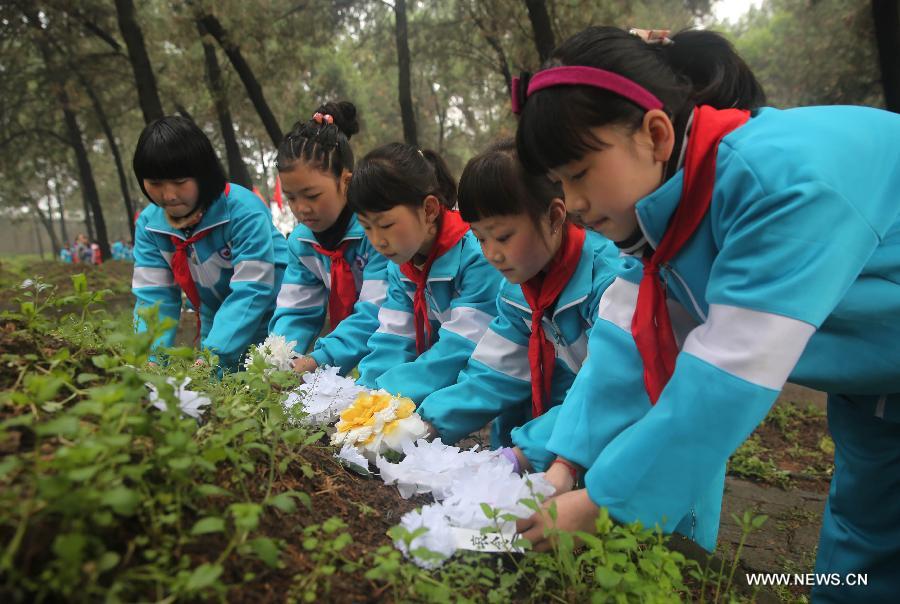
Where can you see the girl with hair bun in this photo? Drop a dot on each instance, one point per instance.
(332, 268)
(441, 290)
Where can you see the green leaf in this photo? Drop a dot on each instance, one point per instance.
(210, 524)
(84, 378)
(108, 561)
(204, 576)
(70, 547)
(267, 550)
(61, 426)
(79, 283)
(211, 490)
(282, 501)
(122, 500)
(246, 515)
(607, 578)
(180, 463)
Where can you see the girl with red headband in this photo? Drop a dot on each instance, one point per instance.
(441, 291)
(332, 267)
(554, 274)
(777, 232)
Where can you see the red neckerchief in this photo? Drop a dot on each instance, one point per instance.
(182, 271)
(451, 228)
(541, 291)
(343, 286)
(650, 326)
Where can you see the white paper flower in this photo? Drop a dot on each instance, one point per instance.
(27, 283)
(438, 539)
(376, 422)
(323, 395)
(190, 402)
(495, 484)
(430, 467)
(277, 351)
(350, 456)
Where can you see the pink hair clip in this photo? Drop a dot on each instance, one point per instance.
(317, 117)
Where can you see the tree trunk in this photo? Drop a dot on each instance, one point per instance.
(254, 89)
(237, 170)
(544, 40)
(114, 147)
(148, 95)
(489, 33)
(407, 113)
(886, 14)
(37, 235)
(88, 186)
(47, 221)
(62, 211)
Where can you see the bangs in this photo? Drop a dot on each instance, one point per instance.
(490, 185)
(167, 151)
(554, 127)
(375, 188)
(175, 147)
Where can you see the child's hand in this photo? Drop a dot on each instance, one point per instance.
(305, 364)
(574, 512)
(560, 477)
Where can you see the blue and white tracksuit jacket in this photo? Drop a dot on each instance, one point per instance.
(462, 300)
(496, 383)
(237, 267)
(793, 273)
(303, 299)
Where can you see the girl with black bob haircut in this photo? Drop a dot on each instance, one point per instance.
(441, 291)
(554, 276)
(315, 164)
(206, 237)
(770, 244)
(175, 148)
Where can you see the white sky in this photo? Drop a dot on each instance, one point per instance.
(732, 10)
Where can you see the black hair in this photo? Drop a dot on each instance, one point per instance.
(494, 183)
(174, 147)
(400, 174)
(321, 145)
(698, 68)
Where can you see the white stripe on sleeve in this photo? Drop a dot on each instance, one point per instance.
(374, 291)
(145, 276)
(503, 356)
(396, 322)
(761, 348)
(258, 271)
(468, 322)
(293, 295)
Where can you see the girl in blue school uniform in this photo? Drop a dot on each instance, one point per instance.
(332, 267)
(441, 291)
(205, 237)
(779, 232)
(554, 274)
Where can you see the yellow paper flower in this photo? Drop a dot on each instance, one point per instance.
(377, 421)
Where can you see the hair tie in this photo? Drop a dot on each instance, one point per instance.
(652, 36)
(317, 117)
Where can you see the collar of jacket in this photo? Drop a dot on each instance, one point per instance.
(354, 231)
(656, 209)
(446, 267)
(217, 214)
(575, 292)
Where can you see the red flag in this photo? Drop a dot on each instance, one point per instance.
(278, 199)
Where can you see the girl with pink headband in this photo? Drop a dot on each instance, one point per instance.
(770, 244)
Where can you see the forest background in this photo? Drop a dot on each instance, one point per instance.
(79, 80)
